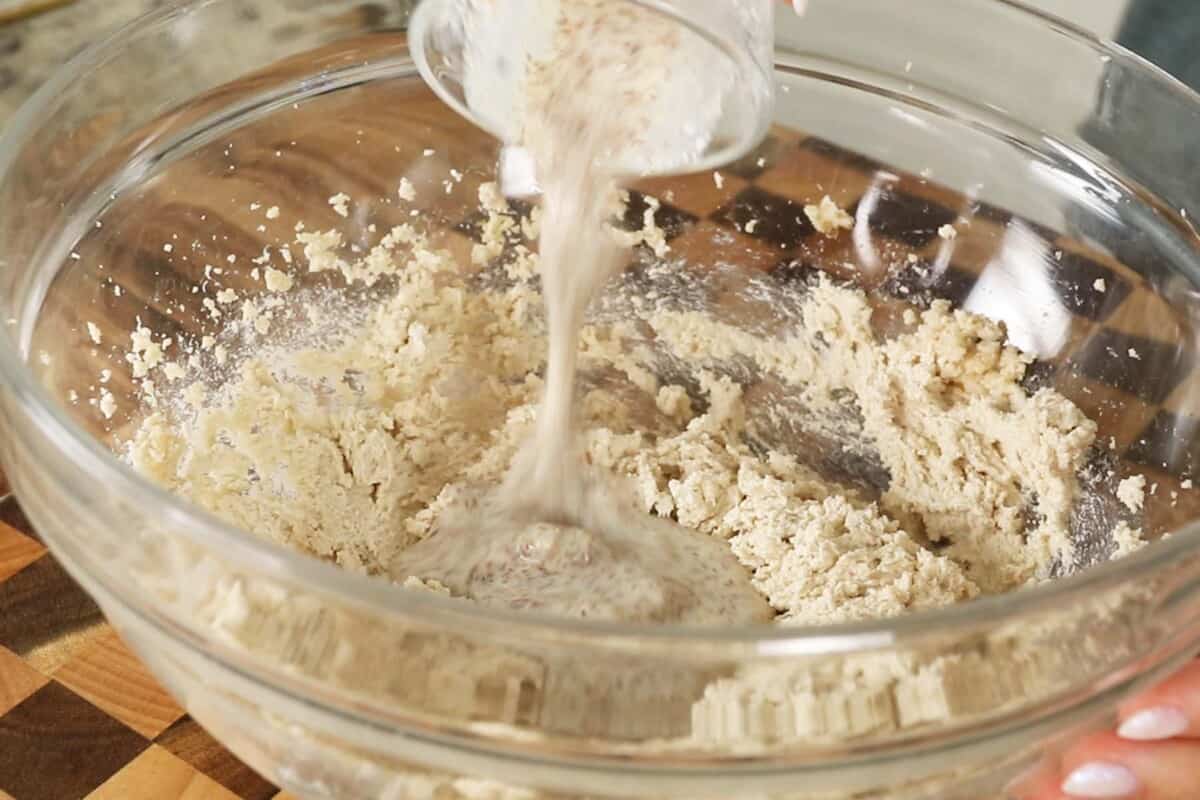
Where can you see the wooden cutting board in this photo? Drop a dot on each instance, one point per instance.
(79, 715)
(15, 9)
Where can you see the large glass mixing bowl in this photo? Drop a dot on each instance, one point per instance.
(1062, 163)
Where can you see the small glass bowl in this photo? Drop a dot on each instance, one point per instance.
(731, 71)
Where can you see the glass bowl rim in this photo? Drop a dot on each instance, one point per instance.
(55, 429)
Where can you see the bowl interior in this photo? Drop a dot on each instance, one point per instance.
(1087, 272)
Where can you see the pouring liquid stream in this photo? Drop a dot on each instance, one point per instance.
(556, 536)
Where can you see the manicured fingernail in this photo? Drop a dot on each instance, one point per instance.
(1154, 724)
(1101, 780)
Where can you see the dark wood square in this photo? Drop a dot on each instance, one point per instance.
(924, 282)
(11, 514)
(1074, 276)
(41, 604)
(712, 244)
(907, 218)
(1155, 371)
(991, 213)
(794, 271)
(1170, 442)
(1119, 417)
(671, 220)
(775, 219)
(57, 746)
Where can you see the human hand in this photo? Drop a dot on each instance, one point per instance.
(1153, 755)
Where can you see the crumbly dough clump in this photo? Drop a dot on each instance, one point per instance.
(1132, 492)
(828, 217)
(353, 448)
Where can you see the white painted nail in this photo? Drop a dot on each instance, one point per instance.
(1154, 724)
(1101, 780)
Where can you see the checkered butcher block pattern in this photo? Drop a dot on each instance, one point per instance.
(79, 715)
